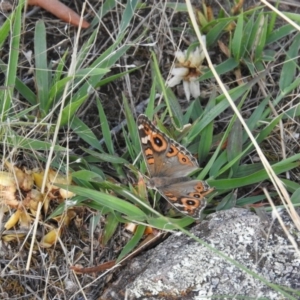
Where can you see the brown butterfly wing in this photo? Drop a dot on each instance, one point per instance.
(164, 157)
(187, 196)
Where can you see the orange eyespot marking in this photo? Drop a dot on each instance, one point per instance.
(196, 195)
(190, 203)
(199, 187)
(158, 142)
(183, 159)
(172, 151)
(171, 197)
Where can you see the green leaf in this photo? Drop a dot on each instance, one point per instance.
(105, 129)
(280, 33)
(20, 142)
(227, 202)
(295, 199)
(56, 91)
(60, 68)
(105, 60)
(165, 223)
(216, 31)
(250, 200)
(206, 135)
(111, 202)
(91, 72)
(115, 77)
(70, 110)
(6, 95)
(106, 157)
(105, 7)
(128, 14)
(291, 186)
(290, 65)
(85, 175)
(110, 227)
(255, 33)
(171, 101)
(133, 242)
(256, 177)
(261, 38)
(5, 28)
(256, 116)
(235, 144)
(42, 73)
(85, 133)
(26, 92)
(236, 45)
(228, 65)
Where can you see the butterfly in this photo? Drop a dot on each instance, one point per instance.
(168, 165)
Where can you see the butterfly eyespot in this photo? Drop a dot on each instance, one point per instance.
(199, 187)
(172, 151)
(195, 195)
(158, 143)
(184, 159)
(190, 204)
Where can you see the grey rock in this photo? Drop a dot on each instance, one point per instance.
(182, 268)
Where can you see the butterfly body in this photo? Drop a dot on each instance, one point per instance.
(168, 165)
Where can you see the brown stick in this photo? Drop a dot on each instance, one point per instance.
(61, 11)
(105, 266)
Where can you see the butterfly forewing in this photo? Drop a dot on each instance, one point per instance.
(169, 162)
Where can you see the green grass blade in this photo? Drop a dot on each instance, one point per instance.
(57, 90)
(290, 65)
(106, 7)
(261, 39)
(5, 29)
(42, 73)
(128, 15)
(216, 31)
(246, 36)
(139, 232)
(105, 129)
(280, 33)
(70, 110)
(26, 92)
(60, 68)
(206, 135)
(131, 125)
(111, 202)
(22, 88)
(235, 144)
(171, 101)
(11, 72)
(151, 104)
(236, 44)
(14, 140)
(228, 184)
(106, 157)
(228, 65)
(90, 176)
(110, 227)
(85, 133)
